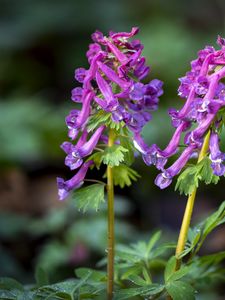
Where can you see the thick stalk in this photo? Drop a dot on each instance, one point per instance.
(110, 249)
(189, 208)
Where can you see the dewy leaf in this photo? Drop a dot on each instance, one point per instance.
(180, 273)
(123, 175)
(89, 197)
(147, 291)
(113, 155)
(180, 290)
(190, 177)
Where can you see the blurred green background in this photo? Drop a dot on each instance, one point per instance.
(41, 43)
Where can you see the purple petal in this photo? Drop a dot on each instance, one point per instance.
(76, 94)
(80, 74)
(64, 187)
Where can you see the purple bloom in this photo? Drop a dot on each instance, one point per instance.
(113, 82)
(65, 187)
(75, 154)
(137, 91)
(204, 95)
(80, 74)
(216, 156)
(109, 102)
(76, 94)
(164, 179)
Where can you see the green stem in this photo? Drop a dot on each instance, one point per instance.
(189, 208)
(110, 191)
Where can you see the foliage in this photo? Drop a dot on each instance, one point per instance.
(143, 270)
(89, 197)
(189, 179)
(123, 175)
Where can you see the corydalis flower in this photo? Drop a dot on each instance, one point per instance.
(110, 86)
(216, 156)
(64, 187)
(112, 82)
(204, 93)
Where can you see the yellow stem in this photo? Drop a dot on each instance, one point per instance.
(189, 208)
(111, 238)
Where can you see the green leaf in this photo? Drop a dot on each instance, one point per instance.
(97, 158)
(98, 118)
(62, 290)
(123, 175)
(89, 197)
(41, 276)
(217, 218)
(170, 268)
(10, 289)
(180, 273)
(147, 291)
(113, 155)
(197, 236)
(127, 142)
(189, 179)
(10, 284)
(93, 274)
(180, 290)
(153, 240)
(131, 272)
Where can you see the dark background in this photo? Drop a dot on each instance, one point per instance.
(41, 43)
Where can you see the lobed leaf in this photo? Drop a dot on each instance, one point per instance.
(189, 179)
(89, 197)
(114, 155)
(123, 175)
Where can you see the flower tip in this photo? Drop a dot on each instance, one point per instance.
(162, 181)
(62, 192)
(220, 41)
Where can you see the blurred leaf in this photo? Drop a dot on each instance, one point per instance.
(180, 290)
(12, 224)
(150, 290)
(170, 268)
(41, 276)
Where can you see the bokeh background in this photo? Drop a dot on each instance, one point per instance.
(41, 43)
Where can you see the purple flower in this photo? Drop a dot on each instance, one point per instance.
(65, 187)
(216, 156)
(204, 93)
(76, 94)
(164, 179)
(137, 91)
(80, 74)
(109, 102)
(113, 82)
(75, 154)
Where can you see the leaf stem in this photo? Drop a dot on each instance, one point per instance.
(95, 180)
(110, 252)
(189, 208)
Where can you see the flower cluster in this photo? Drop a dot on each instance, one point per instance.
(112, 85)
(205, 96)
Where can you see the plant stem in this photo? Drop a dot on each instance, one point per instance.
(189, 208)
(110, 252)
